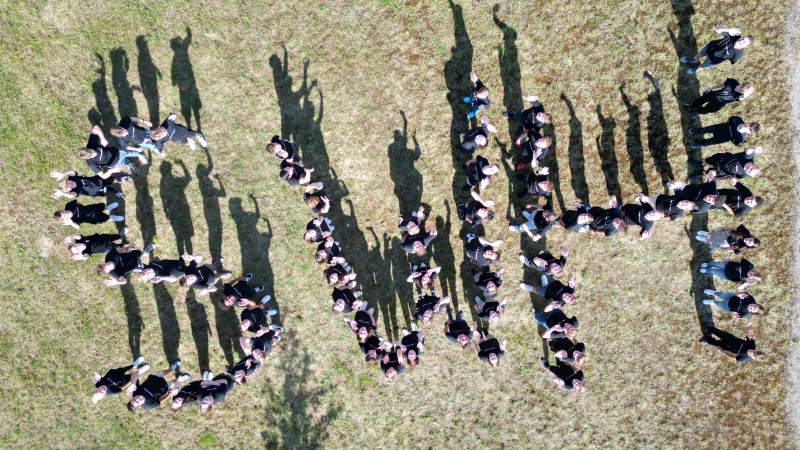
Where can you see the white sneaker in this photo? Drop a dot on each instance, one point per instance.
(414, 327)
(143, 368)
(274, 327)
(371, 310)
(708, 301)
(122, 233)
(191, 144)
(138, 361)
(183, 377)
(265, 299)
(526, 287)
(272, 312)
(525, 261)
(110, 207)
(544, 280)
(709, 292)
(201, 140)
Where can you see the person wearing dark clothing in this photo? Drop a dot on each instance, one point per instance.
(318, 229)
(717, 96)
(254, 317)
(260, 345)
(735, 240)
(417, 243)
(127, 133)
(282, 149)
(740, 350)
(729, 48)
(459, 330)
(169, 270)
(534, 150)
(703, 195)
(671, 206)
(739, 165)
(607, 222)
(490, 310)
(536, 183)
(558, 293)
(75, 214)
(187, 396)
(214, 391)
(642, 215)
(72, 186)
(427, 306)
(488, 281)
(363, 323)
(180, 134)
(244, 368)
(239, 293)
(577, 220)
(118, 380)
(424, 276)
(156, 390)
(738, 201)
(565, 376)
(202, 278)
(316, 199)
(538, 224)
(412, 344)
(476, 137)
(736, 270)
(741, 305)
(479, 172)
(393, 363)
(373, 349)
(122, 261)
(297, 175)
(480, 250)
(567, 350)
(491, 350)
(556, 324)
(345, 300)
(479, 98)
(734, 130)
(532, 119)
(328, 252)
(86, 246)
(105, 160)
(546, 263)
(477, 210)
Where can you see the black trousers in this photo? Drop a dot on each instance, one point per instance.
(705, 104)
(720, 134)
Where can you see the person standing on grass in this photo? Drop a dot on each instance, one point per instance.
(202, 278)
(477, 210)
(163, 270)
(412, 344)
(340, 275)
(703, 195)
(567, 350)
(282, 149)
(607, 222)
(74, 214)
(86, 246)
(122, 261)
(297, 175)
(180, 134)
(187, 396)
(736, 270)
(363, 323)
(318, 229)
(735, 130)
(565, 375)
(105, 160)
(374, 349)
(480, 250)
(424, 276)
(316, 199)
(741, 305)
(118, 380)
(643, 215)
(459, 330)
(213, 391)
(488, 281)
(476, 137)
(532, 119)
(546, 263)
(260, 345)
(534, 150)
(345, 300)
(417, 243)
(670, 206)
(539, 223)
(413, 224)
(555, 323)
(713, 100)
(393, 363)
(328, 252)
(239, 293)
(537, 183)
(729, 48)
(427, 306)
(72, 186)
(577, 220)
(490, 310)
(127, 133)
(156, 390)
(479, 172)
(558, 293)
(739, 165)
(246, 367)
(730, 346)
(479, 99)
(736, 240)
(254, 316)
(490, 349)
(739, 201)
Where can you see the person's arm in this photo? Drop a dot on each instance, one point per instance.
(413, 277)
(71, 238)
(555, 328)
(131, 383)
(726, 353)
(571, 281)
(730, 30)
(503, 346)
(115, 281)
(753, 150)
(142, 121)
(104, 174)
(485, 241)
(484, 183)
(60, 175)
(487, 127)
(57, 193)
(728, 209)
(352, 324)
(471, 161)
(716, 86)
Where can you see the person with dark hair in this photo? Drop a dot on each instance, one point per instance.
(736, 240)
(546, 263)
(479, 98)
(340, 275)
(202, 278)
(480, 250)
(393, 362)
(534, 150)
(316, 199)
(555, 323)
(254, 316)
(730, 346)
(105, 160)
(577, 220)
(328, 252)
(412, 344)
(260, 345)
(282, 149)
(491, 350)
(318, 229)
(538, 223)
(537, 183)
(729, 48)
(123, 379)
(412, 225)
(239, 293)
(86, 246)
(476, 137)
(156, 390)
(180, 134)
(734, 130)
(424, 276)
(72, 186)
(427, 306)
(488, 281)
(558, 293)
(127, 133)
(736, 270)
(374, 348)
(566, 350)
(163, 270)
(607, 222)
(719, 95)
(671, 206)
(297, 175)
(122, 261)
(642, 215)
(532, 119)
(739, 165)
(477, 210)
(739, 201)
(703, 195)
(247, 366)
(490, 310)
(345, 300)
(479, 172)
(75, 214)
(187, 396)
(214, 391)
(417, 243)
(565, 375)
(459, 330)
(363, 323)
(741, 305)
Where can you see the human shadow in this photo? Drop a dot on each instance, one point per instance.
(148, 79)
(633, 142)
(176, 205)
(606, 148)
(201, 329)
(657, 132)
(577, 163)
(395, 261)
(687, 86)
(301, 411)
(407, 180)
(297, 109)
(444, 257)
(182, 75)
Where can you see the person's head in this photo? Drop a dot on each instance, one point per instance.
(491, 255)
(751, 170)
(227, 302)
(481, 141)
(412, 228)
(118, 131)
(362, 334)
(427, 316)
(753, 275)
(620, 224)
(494, 317)
(426, 281)
(746, 89)
(754, 201)
(579, 356)
(86, 153)
(547, 185)
(578, 386)
(176, 404)
(66, 185)
(146, 275)
(491, 288)
(484, 213)
(412, 357)
(687, 205)
(158, 133)
(570, 331)
(331, 276)
(321, 257)
(240, 377)
(755, 308)
(135, 403)
(310, 236)
(391, 372)
(105, 268)
(756, 355)
(549, 216)
(463, 339)
(585, 219)
(277, 149)
(568, 298)
(483, 92)
(743, 42)
(490, 169)
(372, 356)
(752, 127)
(63, 216)
(338, 306)
(245, 325)
(654, 215)
(99, 393)
(188, 280)
(419, 248)
(77, 249)
(544, 142)
(752, 242)
(494, 360)
(206, 404)
(259, 355)
(312, 201)
(543, 117)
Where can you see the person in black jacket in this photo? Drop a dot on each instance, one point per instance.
(490, 310)
(282, 149)
(558, 293)
(538, 224)
(490, 349)
(565, 375)
(532, 119)
(85, 246)
(156, 390)
(105, 160)
(214, 391)
(734, 130)
(72, 186)
(643, 215)
(704, 195)
(162, 270)
(729, 48)
(180, 134)
(187, 396)
(537, 183)
(723, 165)
(412, 344)
(297, 175)
(202, 278)
(577, 220)
(671, 206)
(488, 281)
(713, 100)
(74, 214)
(480, 250)
(555, 323)
(428, 305)
(122, 261)
(393, 362)
(239, 293)
(546, 263)
(345, 300)
(567, 350)
(479, 98)
(459, 330)
(115, 381)
(534, 150)
(739, 201)
(316, 199)
(736, 270)
(127, 133)
(730, 346)
(318, 229)
(424, 276)
(479, 172)
(477, 210)
(363, 323)
(741, 305)
(476, 137)
(607, 222)
(246, 367)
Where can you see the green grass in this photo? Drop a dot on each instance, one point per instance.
(351, 68)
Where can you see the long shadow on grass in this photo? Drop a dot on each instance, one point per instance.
(577, 163)
(182, 75)
(688, 87)
(657, 133)
(148, 78)
(633, 142)
(606, 148)
(103, 115)
(301, 411)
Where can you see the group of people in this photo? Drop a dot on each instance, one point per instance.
(122, 261)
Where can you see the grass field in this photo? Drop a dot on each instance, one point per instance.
(371, 92)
